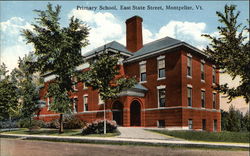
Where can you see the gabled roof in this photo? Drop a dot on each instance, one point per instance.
(149, 49)
(156, 45)
(160, 46)
(111, 45)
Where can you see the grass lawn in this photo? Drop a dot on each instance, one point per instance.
(54, 132)
(236, 137)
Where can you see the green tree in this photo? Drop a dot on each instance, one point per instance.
(27, 84)
(8, 95)
(230, 52)
(104, 76)
(57, 51)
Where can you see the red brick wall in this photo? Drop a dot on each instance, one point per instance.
(176, 94)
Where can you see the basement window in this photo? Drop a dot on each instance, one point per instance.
(190, 124)
(161, 123)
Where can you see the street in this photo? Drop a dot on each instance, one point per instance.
(17, 147)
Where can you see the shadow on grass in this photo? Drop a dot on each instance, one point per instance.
(55, 132)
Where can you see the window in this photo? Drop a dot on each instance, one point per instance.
(189, 66)
(202, 71)
(214, 100)
(161, 96)
(190, 124)
(74, 82)
(215, 125)
(203, 101)
(189, 96)
(84, 86)
(214, 75)
(161, 68)
(203, 124)
(143, 76)
(48, 102)
(161, 123)
(75, 106)
(100, 101)
(85, 103)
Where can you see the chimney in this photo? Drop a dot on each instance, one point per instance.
(134, 33)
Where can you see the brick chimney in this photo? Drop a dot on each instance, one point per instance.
(134, 33)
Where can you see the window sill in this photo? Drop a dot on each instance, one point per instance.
(162, 78)
(161, 107)
(143, 81)
(190, 77)
(203, 81)
(100, 103)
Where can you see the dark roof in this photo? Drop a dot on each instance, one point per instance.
(112, 45)
(156, 45)
(147, 49)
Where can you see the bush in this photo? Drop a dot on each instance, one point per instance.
(72, 122)
(7, 124)
(97, 127)
(25, 123)
(69, 122)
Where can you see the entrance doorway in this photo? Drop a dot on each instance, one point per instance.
(117, 111)
(135, 114)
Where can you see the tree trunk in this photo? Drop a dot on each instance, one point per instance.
(30, 124)
(61, 123)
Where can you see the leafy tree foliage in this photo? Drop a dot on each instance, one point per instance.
(234, 120)
(57, 51)
(8, 95)
(230, 51)
(27, 84)
(104, 76)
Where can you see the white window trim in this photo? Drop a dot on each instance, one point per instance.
(189, 55)
(74, 103)
(214, 93)
(100, 102)
(143, 63)
(191, 67)
(189, 86)
(203, 61)
(48, 103)
(85, 95)
(158, 100)
(159, 59)
(84, 86)
(190, 124)
(203, 90)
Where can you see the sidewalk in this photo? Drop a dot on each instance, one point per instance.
(117, 140)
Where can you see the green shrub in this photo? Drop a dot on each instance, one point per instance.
(72, 122)
(69, 122)
(25, 123)
(97, 127)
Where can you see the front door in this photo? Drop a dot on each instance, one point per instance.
(135, 114)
